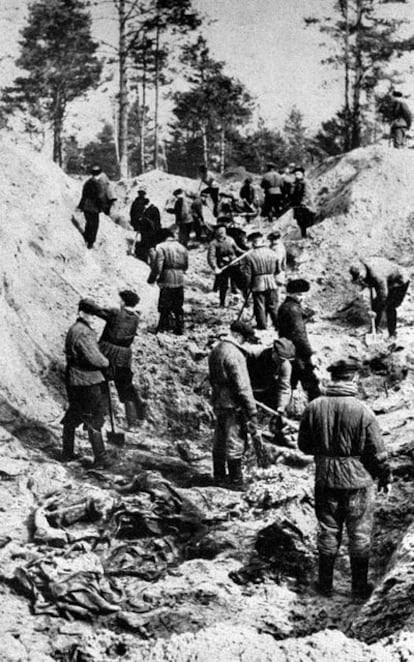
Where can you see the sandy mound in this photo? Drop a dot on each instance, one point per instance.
(45, 268)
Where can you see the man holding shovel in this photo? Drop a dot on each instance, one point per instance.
(84, 379)
(221, 253)
(388, 284)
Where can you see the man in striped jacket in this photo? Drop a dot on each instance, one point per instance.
(168, 269)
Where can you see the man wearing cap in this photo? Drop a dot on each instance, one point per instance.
(115, 343)
(84, 379)
(221, 251)
(288, 185)
(233, 403)
(343, 435)
(401, 119)
(292, 325)
(168, 269)
(272, 186)
(389, 282)
(278, 247)
(260, 267)
(92, 202)
(145, 219)
(302, 201)
(212, 187)
(183, 216)
(270, 370)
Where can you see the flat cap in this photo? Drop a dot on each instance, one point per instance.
(397, 94)
(274, 235)
(178, 191)
(245, 329)
(96, 170)
(129, 297)
(285, 348)
(270, 165)
(254, 235)
(355, 271)
(347, 366)
(87, 306)
(297, 286)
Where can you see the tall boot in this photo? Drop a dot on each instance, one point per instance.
(235, 474)
(98, 447)
(326, 568)
(219, 470)
(164, 322)
(361, 589)
(68, 442)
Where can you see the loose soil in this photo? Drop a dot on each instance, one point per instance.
(177, 569)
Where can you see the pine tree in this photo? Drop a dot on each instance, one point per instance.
(58, 55)
(366, 39)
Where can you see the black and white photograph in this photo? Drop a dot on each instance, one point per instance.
(206, 354)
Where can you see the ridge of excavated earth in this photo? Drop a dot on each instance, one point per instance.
(218, 575)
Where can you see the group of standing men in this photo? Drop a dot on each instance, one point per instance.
(336, 428)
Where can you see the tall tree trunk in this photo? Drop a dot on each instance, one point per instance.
(58, 129)
(123, 93)
(205, 143)
(143, 115)
(358, 77)
(157, 87)
(347, 110)
(222, 148)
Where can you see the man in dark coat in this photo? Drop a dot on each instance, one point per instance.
(221, 251)
(96, 198)
(302, 201)
(183, 216)
(390, 284)
(260, 267)
(84, 379)
(168, 269)
(271, 184)
(292, 325)
(401, 119)
(233, 404)
(344, 436)
(146, 220)
(115, 343)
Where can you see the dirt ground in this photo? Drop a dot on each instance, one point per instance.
(148, 561)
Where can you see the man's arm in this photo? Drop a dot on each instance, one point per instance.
(283, 387)
(212, 256)
(157, 266)
(238, 251)
(299, 334)
(375, 456)
(90, 351)
(241, 383)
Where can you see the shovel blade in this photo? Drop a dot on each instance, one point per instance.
(116, 438)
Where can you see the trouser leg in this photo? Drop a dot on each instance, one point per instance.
(330, 514)
(391, 313)
(272, 305)
(308, 379)
(164, 308)
(359, 521)
(223, 287)
(178, 311)
(91, 228)
(259, 307)
(98, 446)
(68, 441)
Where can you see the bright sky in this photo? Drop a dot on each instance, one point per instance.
(263, 42)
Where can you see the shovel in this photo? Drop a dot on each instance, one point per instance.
(371, 338)
(113, 437)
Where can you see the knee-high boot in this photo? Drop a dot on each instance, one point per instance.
(98, 447)
(361, 589)
(326, 568)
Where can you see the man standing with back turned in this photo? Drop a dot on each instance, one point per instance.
(84, 378)
(344, 436)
